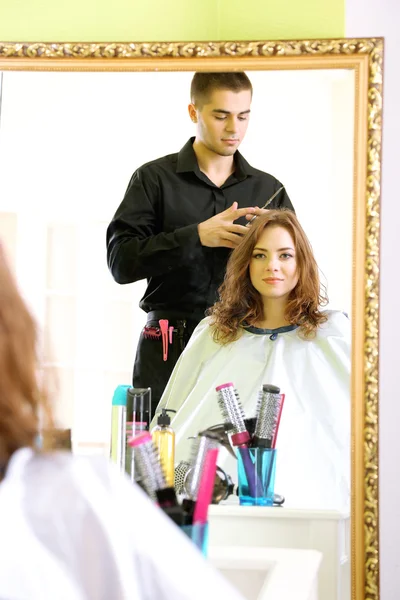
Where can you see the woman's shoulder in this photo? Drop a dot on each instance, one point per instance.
(337, 324)
(62, 468)
(204, 324)
(203, 332)
(56, 481)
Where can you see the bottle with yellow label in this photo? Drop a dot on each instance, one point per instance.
(164, 439)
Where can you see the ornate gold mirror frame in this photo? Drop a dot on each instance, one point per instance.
(365, 57)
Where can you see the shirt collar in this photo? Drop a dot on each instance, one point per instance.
(272, 332)
(187, 162)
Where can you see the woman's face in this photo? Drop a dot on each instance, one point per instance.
(273, 265)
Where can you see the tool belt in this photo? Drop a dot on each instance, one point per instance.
(164, 325)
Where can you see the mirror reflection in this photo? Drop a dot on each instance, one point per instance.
(181, 216)
(268, 328)
(74, 145)
(77, 138)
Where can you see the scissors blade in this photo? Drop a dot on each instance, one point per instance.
(273, 196)
(267, 203)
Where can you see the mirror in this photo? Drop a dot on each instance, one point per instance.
(72, 139)
(303, 134)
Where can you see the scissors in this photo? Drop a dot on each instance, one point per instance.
(267, 203)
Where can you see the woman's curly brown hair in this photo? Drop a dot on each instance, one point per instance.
(23, 402)
(240, 304)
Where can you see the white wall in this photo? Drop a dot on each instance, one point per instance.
(366, 18)
(301, 131)
(72, 141)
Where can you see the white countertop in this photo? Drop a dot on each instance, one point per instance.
(232, 508)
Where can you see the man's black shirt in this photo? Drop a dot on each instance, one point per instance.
(153, 235)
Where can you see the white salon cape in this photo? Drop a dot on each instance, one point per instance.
(313, 444)
(75, 529)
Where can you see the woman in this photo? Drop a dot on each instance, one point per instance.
(268, 327)
(68, 530)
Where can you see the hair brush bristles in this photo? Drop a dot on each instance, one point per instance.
(231, 407)
(147, 464)
(181, 470)
(269, 403)
(232, 411)
(200, 448)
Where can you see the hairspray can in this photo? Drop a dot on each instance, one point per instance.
(118, 426)
(130, 415)
(138, 411)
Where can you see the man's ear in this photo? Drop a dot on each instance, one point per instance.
(192, 113)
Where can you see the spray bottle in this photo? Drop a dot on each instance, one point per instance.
(164, 439)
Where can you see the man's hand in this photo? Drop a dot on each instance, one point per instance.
(256, 213)
(220, 231)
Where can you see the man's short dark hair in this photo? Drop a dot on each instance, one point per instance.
(203, 84)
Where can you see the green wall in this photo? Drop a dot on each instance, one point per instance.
(169, 20)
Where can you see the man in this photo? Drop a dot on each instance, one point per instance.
(178, 221)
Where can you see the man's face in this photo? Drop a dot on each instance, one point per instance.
(222, 120)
